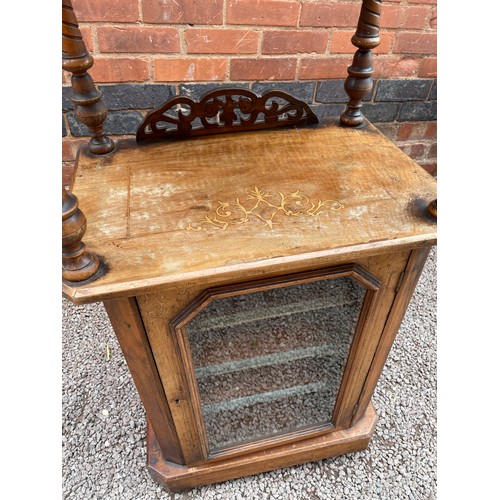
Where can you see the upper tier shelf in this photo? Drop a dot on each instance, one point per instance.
(165, 213)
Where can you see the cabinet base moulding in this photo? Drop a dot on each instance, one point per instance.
(339, 442)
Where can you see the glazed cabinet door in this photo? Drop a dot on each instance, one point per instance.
(265, 362)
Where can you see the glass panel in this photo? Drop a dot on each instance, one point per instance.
(271, 362)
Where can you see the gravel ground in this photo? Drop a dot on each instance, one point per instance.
(104, 453)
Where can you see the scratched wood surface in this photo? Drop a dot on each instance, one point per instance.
(236, 205)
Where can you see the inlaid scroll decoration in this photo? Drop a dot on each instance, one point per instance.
(267, 208)
(224, 110)
(157, 304)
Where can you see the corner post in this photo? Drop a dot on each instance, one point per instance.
(87, 100)
(432, 208)
(359, 82)
(78, 264)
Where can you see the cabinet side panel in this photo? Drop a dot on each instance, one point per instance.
(127, 324)
(387, 268)
(402, 299)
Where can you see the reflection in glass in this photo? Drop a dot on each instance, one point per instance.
(271, 361)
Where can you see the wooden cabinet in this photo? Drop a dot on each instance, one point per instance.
(255, 281)
(255, 305)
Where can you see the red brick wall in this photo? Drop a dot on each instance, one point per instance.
(243, 41)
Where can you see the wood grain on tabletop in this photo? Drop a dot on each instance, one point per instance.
(235, 203)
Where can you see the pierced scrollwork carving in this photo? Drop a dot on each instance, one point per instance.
(224, 110)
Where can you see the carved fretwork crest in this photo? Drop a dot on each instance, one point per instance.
(224, 110)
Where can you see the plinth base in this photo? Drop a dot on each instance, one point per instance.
(177, 477)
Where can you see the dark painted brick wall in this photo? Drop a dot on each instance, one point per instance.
(389, 100)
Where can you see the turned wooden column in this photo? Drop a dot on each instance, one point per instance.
(432, 208)
(359, 82)
(87, 100)
(78, 264)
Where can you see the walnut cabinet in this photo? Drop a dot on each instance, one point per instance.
(255, 280)
(255, 304)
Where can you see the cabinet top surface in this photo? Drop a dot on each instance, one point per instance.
(172, 212)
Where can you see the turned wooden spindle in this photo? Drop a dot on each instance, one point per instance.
(78, 264)
(432, 208)
(87, 99)
(359, 82)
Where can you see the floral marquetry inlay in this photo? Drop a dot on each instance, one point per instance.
(264, 207)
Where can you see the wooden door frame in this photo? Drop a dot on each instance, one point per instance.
(166, 311)
(340, 413)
